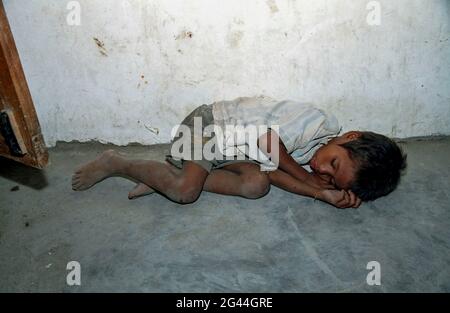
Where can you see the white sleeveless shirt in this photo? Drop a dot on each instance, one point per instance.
(301, 127)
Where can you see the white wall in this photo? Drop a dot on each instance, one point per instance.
(392, 78)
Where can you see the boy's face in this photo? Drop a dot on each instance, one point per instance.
(333, 163)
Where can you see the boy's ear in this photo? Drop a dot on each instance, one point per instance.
(352, 135)
(348, 136)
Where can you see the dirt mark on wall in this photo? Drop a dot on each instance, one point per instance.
(101, 46)
(184, 35)
(272, 6)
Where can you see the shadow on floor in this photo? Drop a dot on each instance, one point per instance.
(21, 174)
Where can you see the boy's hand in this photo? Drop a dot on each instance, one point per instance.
(340, 198)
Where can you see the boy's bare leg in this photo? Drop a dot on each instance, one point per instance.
(238, 179)
(140, 190)
(180, 185)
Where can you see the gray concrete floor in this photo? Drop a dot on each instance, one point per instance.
(280, 243)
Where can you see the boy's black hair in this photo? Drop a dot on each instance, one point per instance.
(380, 162)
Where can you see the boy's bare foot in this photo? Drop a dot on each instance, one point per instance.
(95, 171)
(140, 190)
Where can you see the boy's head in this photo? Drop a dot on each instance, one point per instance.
(369, 164)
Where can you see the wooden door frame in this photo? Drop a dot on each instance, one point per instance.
(15, 97)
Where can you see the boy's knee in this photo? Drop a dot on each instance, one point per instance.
(185, 192)
(255, 185)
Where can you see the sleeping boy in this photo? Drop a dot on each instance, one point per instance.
(242, 147)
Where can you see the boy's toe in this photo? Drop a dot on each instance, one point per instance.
(75, 180)
(77, 186)
(76, 183)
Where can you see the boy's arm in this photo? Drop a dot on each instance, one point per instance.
(285, 160)
(294, 178)
(289, 183)
(338, 198)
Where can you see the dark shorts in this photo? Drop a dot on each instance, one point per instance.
(207, 118)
